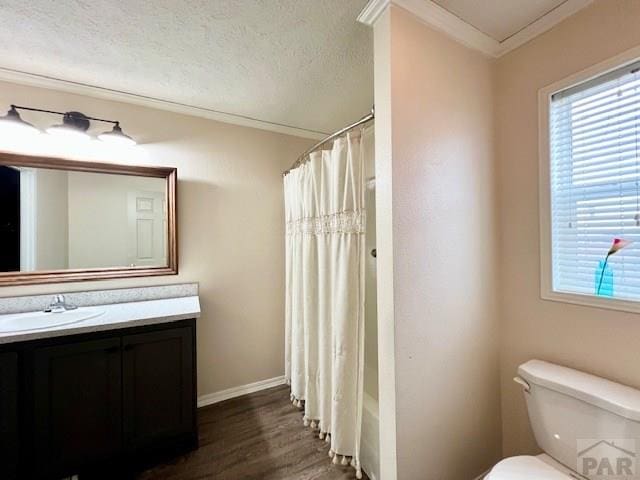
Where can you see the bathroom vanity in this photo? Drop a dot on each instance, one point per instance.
(111, 385)
(116, 391)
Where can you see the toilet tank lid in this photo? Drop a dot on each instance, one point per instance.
(614, 397)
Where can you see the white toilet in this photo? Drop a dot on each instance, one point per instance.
(587, 426)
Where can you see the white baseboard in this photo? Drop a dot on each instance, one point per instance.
(211, 398)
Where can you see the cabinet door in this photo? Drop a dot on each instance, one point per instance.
(8, 415)
(158, 388)
(77, 390)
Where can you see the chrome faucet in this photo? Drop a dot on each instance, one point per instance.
(59, 305)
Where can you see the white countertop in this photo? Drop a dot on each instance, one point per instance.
(114, 316)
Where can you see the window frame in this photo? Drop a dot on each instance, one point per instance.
(544, 186)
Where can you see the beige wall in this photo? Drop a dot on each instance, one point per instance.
(444, 247)
(599, 341)
(230, 224)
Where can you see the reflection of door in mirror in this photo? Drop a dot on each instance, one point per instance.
(147, 228)
(9, 219)
(68, 220)
(116, 221)
(56, 219)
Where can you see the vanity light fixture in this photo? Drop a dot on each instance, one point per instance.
(13, 123)
(117, 136)
(74, 124)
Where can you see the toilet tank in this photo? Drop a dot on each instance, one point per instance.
(585, 422)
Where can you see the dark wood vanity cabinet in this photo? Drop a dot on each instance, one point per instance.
(101, 402)
(9, 415)
(77, 405)
(158, 388)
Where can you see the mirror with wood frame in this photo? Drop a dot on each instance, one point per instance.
(67, 220)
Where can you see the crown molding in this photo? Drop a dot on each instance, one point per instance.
(441, 19)
(372, 10)
(543, 24)
(40, 81)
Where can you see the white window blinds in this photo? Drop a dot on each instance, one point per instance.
(595, 184)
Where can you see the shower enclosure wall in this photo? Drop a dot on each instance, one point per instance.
(370, 435)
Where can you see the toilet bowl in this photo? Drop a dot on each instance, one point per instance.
(527, 467)
(588, 427)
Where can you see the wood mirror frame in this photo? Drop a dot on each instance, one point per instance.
(85, 274)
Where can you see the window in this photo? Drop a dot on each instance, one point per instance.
(594, 186)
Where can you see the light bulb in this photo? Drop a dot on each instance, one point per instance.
(63, 131)
(13, 124)
(117, 137)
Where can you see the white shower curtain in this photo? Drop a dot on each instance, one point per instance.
(325, 215)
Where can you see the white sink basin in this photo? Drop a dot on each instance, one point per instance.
(21, 322)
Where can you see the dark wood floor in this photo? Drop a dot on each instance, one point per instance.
(257, 436)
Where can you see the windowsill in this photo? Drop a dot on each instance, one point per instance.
(606, 303)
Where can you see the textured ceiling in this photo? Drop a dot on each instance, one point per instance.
(303, 63)
(499, 19)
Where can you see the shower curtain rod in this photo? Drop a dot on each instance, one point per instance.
(300, 160)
